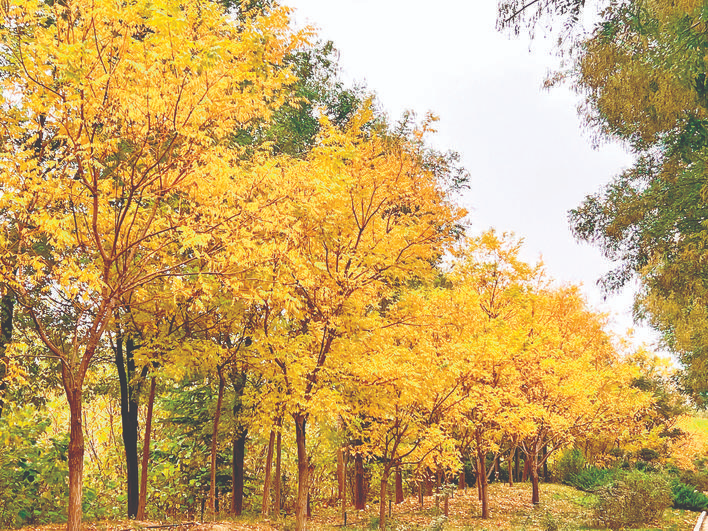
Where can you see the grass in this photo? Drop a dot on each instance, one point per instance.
(562, 508)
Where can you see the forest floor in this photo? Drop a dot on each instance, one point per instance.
(562, 508)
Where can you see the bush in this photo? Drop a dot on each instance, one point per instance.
(568, 465)
(687, 497)
(633, 499)
(592, 477)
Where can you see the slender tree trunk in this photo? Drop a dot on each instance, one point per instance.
(237, 471)
(215, 444)
(535, 493)
(76, 453)
(303, 469)
(265, 506)
(383, 496)
(399, 486)
(129, 390)
(278, 473)
(146, 453)
(359, 493)
(516, 463)
(527, 468)
(343, 486)
(7, 306)
(511, 467)
(462, 482)
(483, 484)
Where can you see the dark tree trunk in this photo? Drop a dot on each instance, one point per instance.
(516, 464)
(399, 486)
(237, 473)
(359, 492)
(215, 445)
(265, 506)
(7, 308)
(462, 482)
(303, 469)
(278, 472)
(527, 468)
(129, 389)
(545, 463)
(146, 453)
(239, 445)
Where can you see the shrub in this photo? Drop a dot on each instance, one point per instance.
(592, 477)
(568, 465)
(633, 499)
(687, 497)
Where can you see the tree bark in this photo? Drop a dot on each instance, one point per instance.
(511, 467)
(265, 506)
(516, 464)
(129, 390)
(462, 482)
(278, 472)
(303, 470)
(383, 493)
(215, 444)
(359, 493)
(146, 453)
(535, 494)
(483, 483)
(76, 452)
(237, 472)
(399, 486)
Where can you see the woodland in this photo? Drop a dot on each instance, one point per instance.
(233, 287)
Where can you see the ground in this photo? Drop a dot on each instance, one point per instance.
(562, 508)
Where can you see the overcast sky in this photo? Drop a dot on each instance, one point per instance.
(529, 159)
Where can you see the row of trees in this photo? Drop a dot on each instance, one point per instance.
(184, 192)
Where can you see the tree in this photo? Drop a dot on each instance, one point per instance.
(131, 122)
(370, 213)
(643, 77)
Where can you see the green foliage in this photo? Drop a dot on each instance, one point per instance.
(33, 470)
(687, 497)
(570, 463)
(592, 477)
(633, 499)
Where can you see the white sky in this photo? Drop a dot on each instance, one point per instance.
(529, 160)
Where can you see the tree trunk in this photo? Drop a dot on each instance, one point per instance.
(265, 506)
(129, 390)
(527, 468)
(215, 444)
(383, 492)
(343, 486)
(536, 495)
(303, 469)
(278, 473)
(511, 467)
(399, 486)
(146, 453)
(237, 471)
(462, 482)
(516, 464)
(7, 306)
(483, 484)
(359, 493)
(76, 452)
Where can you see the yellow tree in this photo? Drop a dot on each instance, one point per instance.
(488, 309)
(370, 213)
(572, 379)
(114, 168)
